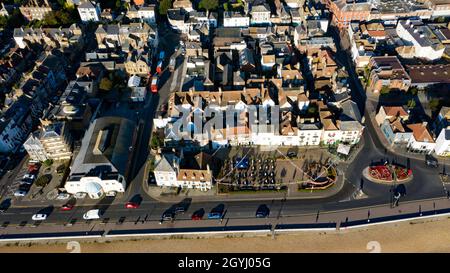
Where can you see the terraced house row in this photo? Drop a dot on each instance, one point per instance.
(300, 121)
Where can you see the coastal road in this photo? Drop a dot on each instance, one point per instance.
(237, 216)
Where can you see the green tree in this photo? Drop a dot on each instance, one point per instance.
(48, 162)
(385, 90)
(42, 181)
(3, 21)
(434, 104)
(15, 20)
(413, 91)
(164, 5)
(366, 72)
(440, 19)
(411, 103)
(61, 2)
(155, 142)
(50, 19)
(208, 4)
(118, 4)
(106, 84)
(67, 16)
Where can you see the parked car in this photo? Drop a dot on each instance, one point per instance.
(167, 216)
(92, 214)
(5, 205)
(262, 212)
(33, 168)
(39, 217)
(80, 195)
(63, 196)
(292, 154)
(67, 207)
(131, 205)
(29, 176)
(198, 215)
(111, 194)
(180, 209)
(214, 215)
(26, 181)
(431, 161)
(24, 187)
(216, 212)
(20, 193)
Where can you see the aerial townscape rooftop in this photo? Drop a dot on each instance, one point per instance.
(211, 117)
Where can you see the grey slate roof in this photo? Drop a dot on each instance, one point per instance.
(163, 165)
(116, 155)
(86, 5)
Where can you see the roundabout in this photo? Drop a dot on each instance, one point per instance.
(388, 174)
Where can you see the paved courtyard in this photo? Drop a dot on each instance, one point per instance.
(249, 167)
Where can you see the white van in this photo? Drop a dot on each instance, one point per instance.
(92, 214)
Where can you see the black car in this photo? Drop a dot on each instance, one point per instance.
(262, 212)
(291, 154)
(5, 205)
(168, 216)
(431, 161)
(26, 181)
(180, 209)
(24, 187)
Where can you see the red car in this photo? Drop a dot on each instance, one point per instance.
(131, 205)
(198, 215)
(67, 207)
(33, 168)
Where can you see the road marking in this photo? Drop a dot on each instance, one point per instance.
(25, 213)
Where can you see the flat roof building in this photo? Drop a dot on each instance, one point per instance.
(103, 162)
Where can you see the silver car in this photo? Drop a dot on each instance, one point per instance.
(39, 217)
(20, 193)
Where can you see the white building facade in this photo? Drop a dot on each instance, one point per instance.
(418, 35)
(442, 147)
(147, 13)
(260, 15)
(169, 174)
(89, 11)
(235, 19)
(96, 186)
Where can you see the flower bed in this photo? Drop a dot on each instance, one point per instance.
(381, 173)
(402, 173)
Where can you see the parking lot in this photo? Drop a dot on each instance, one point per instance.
(17, 181)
